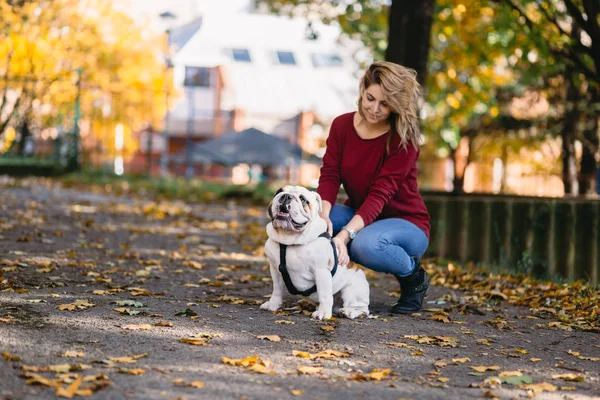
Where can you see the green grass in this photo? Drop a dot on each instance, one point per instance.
(194, 190)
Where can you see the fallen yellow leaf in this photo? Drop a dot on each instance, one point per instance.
(569, 377)
(307, 370)
(141, 327)
(73, 353)
(164, 324)
(271, 338)
(539, 387)
(510, 373)
(482, 368)
(376, 375)
(302, 354)
(194, 341)
(297, 392)
(133, 371)
(70, 390)
(461, 360)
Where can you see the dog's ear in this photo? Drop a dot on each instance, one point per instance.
(277, 192)
(269, 210)
(319, 201)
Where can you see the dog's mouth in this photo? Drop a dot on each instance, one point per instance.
(282, 216)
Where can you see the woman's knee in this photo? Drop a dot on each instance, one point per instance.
(366, 249)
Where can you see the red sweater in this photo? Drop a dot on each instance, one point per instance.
(378, 186)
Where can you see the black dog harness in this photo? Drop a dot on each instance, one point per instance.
(286, 276)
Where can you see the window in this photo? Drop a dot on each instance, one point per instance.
(286, 58)
(241, 55)
(197, 76)
(327, 60)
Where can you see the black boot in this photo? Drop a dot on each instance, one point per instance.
(414, 288)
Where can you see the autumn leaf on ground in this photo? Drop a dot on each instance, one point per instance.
(461, 360)
(441, 316)
(485, 342)
(132, 371)
(516, 379)
(194, 341)
(401, 344)
(376, 375)
(187, 313)
(128, 359)
(578, 355)
(252, 363)
(126, 311)
(70, 390)
(271, 338)
(327, 329)
(9, 357)
(539, 387)
(193, 264)
(442, 341)
(36, 379)
(483, 368)
(569, 377)
(297, 392)
(321, 354)
(140, 327)
(307, 370)
(284, 322)
(194, 384)
(164, 324)
(73, 353)
(77, 304)
(129, 303)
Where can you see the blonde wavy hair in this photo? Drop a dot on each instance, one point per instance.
(401, 91)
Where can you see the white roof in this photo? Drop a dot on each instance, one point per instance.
(263, 86)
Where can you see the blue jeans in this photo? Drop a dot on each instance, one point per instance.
(387, 245)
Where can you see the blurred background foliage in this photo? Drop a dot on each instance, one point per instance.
(47, 47)
(504, 78)
(507, 79)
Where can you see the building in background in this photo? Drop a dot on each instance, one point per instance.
(236, 69)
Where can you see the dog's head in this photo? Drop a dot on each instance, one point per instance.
(293, 208)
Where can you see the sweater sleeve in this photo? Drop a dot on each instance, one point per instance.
(330, 179)
(393, 172)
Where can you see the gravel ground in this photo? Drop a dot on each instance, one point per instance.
(69, 258)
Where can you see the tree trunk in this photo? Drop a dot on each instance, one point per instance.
(587, 171)
(409, 34)
(569, 133)
(24, 133)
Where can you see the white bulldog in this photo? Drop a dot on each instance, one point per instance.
(310, 257)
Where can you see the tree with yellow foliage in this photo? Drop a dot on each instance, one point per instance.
(43, 45)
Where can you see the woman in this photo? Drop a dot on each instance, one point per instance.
(384, 224)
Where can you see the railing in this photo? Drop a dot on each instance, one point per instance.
(545, 237)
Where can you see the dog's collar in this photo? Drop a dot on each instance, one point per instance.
(286, 276)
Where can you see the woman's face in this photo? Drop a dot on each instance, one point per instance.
(374, 106)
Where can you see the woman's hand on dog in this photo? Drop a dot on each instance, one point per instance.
(342, 249)
(329, 224)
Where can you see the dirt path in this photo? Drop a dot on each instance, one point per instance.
(97, 293)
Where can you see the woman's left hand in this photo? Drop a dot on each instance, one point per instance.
(342, 249)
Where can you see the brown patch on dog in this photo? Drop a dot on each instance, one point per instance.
(329, 263)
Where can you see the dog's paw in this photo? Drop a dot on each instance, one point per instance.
(352, 312)
(270, 305)
(321, 314)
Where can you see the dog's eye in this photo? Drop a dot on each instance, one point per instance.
(303, 200)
